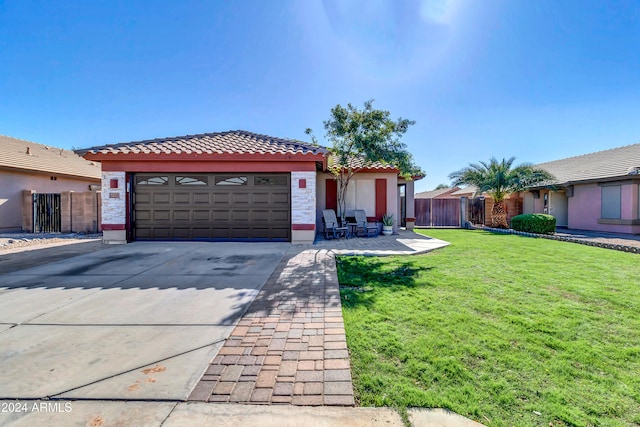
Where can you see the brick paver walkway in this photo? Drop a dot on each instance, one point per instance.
(290, 346)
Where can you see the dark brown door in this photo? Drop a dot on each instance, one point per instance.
(193, 206)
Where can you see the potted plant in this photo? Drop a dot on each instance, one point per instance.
(411, 223)
(387, 224)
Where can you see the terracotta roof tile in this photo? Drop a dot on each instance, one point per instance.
(231, 142)
(361, 163)
(18, 154)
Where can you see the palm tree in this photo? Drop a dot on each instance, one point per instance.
(498, 180)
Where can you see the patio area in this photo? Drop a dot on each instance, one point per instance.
(403, 243)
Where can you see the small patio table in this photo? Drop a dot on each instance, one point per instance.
(352, 227)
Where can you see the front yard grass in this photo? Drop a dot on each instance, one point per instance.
(503, 329)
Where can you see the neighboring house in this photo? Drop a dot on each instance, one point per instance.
(442, 193)
(597, 191)
(36, 168)
(235, 185)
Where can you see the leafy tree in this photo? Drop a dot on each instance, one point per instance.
(441, 187)
(498, 179)
(361, 138)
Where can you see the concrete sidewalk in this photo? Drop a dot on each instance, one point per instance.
(404, 242)
(192, 414)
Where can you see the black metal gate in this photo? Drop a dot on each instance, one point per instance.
(475, 210)
(47, 216)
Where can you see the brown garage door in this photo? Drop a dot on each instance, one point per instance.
(192, 206)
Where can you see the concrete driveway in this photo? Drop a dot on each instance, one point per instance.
(139, 321)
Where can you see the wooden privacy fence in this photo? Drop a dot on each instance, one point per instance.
(449, 212)
(437, 212)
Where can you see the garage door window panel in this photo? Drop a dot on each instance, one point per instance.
(278, 181)
(192, 180)
(231, 180)
(152, 180)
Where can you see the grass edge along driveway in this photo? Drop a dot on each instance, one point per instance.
(503, 329)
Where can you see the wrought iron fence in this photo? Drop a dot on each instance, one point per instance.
(46, 213)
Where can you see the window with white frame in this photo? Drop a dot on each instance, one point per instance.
(611, 198)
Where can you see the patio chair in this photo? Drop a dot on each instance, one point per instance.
(332, 228)
(363, 227)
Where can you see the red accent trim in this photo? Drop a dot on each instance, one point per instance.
(410, 219)
(113, 227)
(303, 226)
(381, 197)
(302, 183)
(331, 195)
(181, 166)
(113, 183)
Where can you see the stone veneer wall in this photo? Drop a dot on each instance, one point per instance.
(114, 208)
(303, 207)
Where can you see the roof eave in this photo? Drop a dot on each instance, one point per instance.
(585, 181)
(49, 172)
(194, 156)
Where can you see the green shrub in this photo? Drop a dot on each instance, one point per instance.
(534, 223)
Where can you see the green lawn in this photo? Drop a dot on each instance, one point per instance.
(503, 329)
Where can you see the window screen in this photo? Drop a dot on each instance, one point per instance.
(611, 202)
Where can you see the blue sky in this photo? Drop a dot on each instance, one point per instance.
(539, 80)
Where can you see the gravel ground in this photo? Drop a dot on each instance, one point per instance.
(11, 241)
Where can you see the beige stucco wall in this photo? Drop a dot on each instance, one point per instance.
(11, 186)
(392, 194)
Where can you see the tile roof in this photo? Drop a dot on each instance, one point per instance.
(607, 164)
(18, 154)
(449, 191)
(231, 142)
(361, 163)
(468, 191)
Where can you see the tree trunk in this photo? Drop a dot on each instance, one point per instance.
(499, 215)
